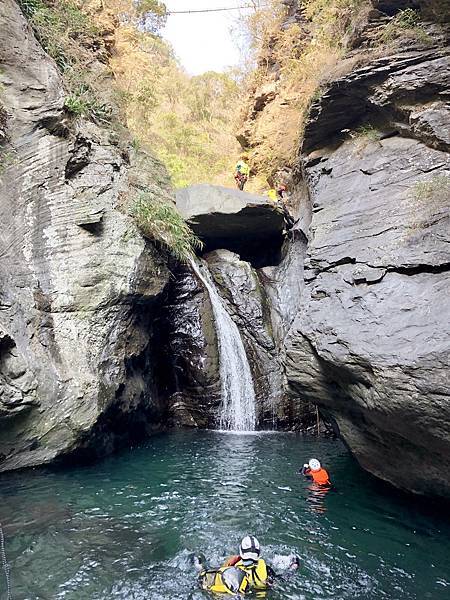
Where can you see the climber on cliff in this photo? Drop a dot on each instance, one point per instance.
(281, 191)
(314, 470)
(242, 573)
(272, 195)
(242, 172)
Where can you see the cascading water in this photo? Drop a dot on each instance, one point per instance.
(237, 411)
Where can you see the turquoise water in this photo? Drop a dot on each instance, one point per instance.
(125, 528)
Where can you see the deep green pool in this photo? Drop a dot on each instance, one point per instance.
(124, 528)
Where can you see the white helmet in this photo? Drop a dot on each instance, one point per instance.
(314, 464)
(249, 548)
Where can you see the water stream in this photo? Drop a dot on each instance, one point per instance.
(238, 394)
(124, 528)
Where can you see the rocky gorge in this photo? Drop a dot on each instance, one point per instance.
(104, 338)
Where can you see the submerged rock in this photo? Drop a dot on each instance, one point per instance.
(79, 283)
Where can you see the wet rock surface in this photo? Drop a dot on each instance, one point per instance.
(370, 341)
(248, 304)
(263, 304)
(191, 352)
(79, 283)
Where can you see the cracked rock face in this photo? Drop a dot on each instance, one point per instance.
(370, 343)
(78, 282)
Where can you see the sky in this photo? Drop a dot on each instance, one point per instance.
(203, 42)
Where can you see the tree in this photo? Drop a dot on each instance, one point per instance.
(152, 15)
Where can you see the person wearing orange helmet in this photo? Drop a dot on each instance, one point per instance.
(314, 470)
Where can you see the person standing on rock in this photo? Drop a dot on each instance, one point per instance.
(242, 172)
(314, 470)
(272, 195)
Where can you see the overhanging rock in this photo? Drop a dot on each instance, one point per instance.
(220, 216)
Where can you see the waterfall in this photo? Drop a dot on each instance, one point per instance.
(237, 412)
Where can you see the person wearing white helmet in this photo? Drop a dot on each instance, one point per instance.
(244, 572)
(259, 574)
(314, 470)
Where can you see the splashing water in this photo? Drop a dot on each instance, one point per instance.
(126, 528)
(237, 411)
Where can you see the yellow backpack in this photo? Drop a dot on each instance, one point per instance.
(226, 580)
(256, 574)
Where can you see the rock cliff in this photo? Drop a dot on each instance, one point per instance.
(261, 301)
(370, 342)
(98, 345)
(78, 283)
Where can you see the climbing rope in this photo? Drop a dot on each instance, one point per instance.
(5, 564)
(206, 10)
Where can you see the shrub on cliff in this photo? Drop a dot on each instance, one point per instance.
(296, 57)
(161, 222)
(405, 24)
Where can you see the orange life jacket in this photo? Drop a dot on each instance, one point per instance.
(321, 476)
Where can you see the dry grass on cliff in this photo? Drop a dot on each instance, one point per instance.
(75, 43)
(433, 191)
(116, 68)
(428, 201)
(160, 221)
(299, 60)
(405, 25)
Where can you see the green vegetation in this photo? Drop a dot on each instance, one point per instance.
(160, 221)
(69, 36)
(82, 102)
(433, 190)
(188, 121)
(368, 132)
(61, 28)
(405, 24)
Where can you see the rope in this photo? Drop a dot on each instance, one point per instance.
(5, 564)
(206, 10)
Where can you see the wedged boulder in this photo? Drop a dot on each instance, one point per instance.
(79, 283)
(227, 218)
